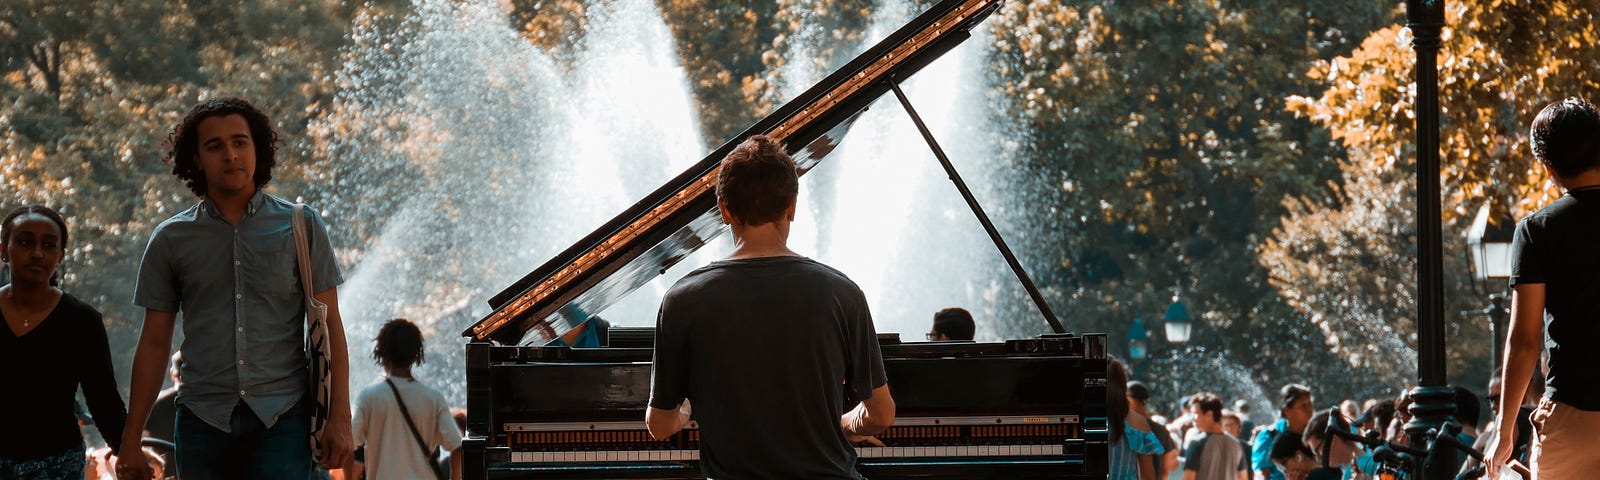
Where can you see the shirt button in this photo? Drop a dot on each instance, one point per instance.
(241, 362)
(241, 393)
(235, 263)
(237, 296)
(241, 329)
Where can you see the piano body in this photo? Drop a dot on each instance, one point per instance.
(1023, 408)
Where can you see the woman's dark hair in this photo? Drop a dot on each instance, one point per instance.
(1290, 394)
(757, 181)
(1116, 397)
(183, 143)
(399, 344)
(41, 210)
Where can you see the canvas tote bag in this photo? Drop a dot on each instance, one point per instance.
(316, 340)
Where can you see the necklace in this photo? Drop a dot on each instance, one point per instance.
(29, 320)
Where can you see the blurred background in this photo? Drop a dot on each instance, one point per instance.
(1243, 169)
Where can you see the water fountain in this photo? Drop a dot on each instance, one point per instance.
(476, 157)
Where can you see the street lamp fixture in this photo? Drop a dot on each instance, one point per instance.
(1178, 322)
(1489, 240)
(1138, 340)
(1490, 243)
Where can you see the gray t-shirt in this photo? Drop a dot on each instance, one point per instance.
(770, 352)
(237, 288)
(1214, 456)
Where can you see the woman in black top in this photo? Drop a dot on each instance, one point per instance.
(52, 344)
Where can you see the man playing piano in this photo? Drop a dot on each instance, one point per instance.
(767, 345)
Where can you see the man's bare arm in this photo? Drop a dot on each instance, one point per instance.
(872, 416)
(149, 363)
(1523, 344)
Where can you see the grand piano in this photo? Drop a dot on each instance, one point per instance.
(1020, 408)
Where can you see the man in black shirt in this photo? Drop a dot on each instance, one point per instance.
(768, 346)
(1555, 275)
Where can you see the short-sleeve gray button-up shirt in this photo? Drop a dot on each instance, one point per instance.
(237, 288)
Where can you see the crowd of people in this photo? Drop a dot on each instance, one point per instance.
(1204, 437)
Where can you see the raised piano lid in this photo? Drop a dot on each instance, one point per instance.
(681, 216)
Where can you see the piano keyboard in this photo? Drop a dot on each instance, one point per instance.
(863, 452)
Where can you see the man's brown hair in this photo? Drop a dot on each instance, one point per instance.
(1208, 402)
(757, 181)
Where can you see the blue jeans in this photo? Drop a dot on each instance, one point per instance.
(251, 451)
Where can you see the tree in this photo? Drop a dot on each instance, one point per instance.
(1501, 62)
(88, 90)
(1154, 149)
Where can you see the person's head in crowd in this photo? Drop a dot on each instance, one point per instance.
(1330, 450)
(1377, 416)
(1294, 404)
(1493, 397)
(216, 140)
(1186, 407)
(33, 240)
(1292, 457)
(1138, 396)
(1231, 423)
(398, 346)
(1467, 411)
(1566, 138)
(1242, 407)
(1395, 431)
(953, 323)
(1349, 408)
(757, 184)
(1207, 409)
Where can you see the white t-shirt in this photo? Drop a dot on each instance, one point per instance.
(392, 452)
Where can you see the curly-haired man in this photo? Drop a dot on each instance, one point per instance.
(228, 263)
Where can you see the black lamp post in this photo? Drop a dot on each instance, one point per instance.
(1431, 401)
(1489, 240)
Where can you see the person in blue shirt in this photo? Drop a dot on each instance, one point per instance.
(1294, 408)
(227, 265)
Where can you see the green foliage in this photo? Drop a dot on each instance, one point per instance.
(89, 90)
(1156, 149)
(1500, 63)
(722, 44)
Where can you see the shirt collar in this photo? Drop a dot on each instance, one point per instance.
(255, 204)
